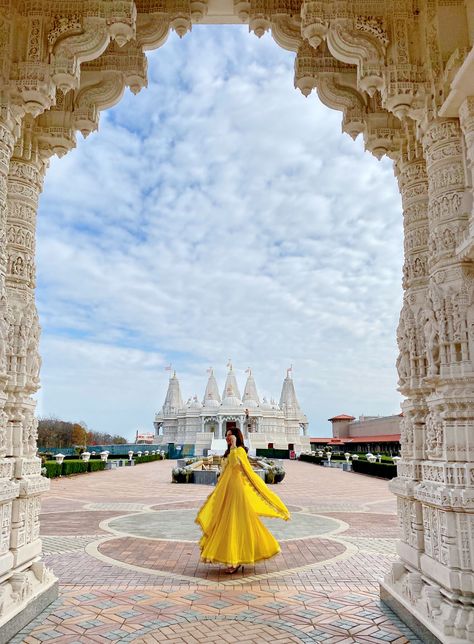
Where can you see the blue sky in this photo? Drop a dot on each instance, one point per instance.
(218, 214)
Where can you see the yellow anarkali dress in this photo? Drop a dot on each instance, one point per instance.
(232, 531)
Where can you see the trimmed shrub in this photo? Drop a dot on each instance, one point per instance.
(74, 467)
(383, 470)
(67, 468)
(273, 453)
(95, 466)
(53, 469)
(311, 458)
(147, 459)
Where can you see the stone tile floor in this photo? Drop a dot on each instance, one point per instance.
(123, 544)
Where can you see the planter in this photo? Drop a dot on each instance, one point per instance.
(279, 477)
(181, 478)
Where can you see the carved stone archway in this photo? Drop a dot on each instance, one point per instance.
(402, 74)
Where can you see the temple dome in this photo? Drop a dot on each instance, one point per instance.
(231, 401)
(265, 405)
(210, 403)
(195, 404)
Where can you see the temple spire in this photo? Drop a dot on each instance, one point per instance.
(173, 401)
(250, 397)
(212, 392)
(231, 389)
(288, 399)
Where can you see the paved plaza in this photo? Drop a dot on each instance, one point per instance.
(123, 544)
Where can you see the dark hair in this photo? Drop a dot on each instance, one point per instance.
(239, 442)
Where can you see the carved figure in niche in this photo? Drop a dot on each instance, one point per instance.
(3, 433)
(22, 333)
(17, 266)
(458, 318)
(403, 360)
(430, 332)
(4, 333)
(33, 359)
(417, 267)
(406, 436)
(449, 240)
(30, 436)
(434, 434)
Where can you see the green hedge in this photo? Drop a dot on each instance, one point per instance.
(273, 453)
(311, 458)
(53, 469)
(383, 470)
(95, 466)
(147, 459)
(78, 466)
(67, 468)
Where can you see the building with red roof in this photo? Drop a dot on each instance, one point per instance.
(367, 434)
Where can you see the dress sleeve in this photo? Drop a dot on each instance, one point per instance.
(263, 500)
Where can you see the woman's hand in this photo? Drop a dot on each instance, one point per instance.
(233, 441)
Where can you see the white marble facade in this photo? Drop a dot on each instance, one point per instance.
(202, 423)
(402, 75)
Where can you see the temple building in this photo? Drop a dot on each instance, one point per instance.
(203, 424)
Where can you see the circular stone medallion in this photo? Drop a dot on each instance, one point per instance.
(178, 525)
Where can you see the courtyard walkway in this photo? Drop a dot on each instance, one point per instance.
(123, 544)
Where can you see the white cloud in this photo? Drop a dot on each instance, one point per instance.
(218, 213)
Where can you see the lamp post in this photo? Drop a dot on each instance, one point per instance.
(355, 457)
(347, 456)
(85, 456)
(104, 455)
(396, 459)
(59, 460)
(371, 458)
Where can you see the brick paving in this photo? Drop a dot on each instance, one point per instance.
(123, 545)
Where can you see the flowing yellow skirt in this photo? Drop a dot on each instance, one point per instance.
(232, 531)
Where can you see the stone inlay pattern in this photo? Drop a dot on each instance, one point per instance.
(180, 525)
(183, 558)
(145, 583)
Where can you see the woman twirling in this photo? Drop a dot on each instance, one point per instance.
(232, 531)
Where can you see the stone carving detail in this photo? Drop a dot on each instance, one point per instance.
(5, 526)
(434, 435)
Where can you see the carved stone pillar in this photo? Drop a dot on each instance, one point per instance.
(9, 488)
(410, 170)
(26, 580)
(466, 117)
(434, 580)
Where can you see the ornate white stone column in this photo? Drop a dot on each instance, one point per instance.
(9, 488)
(434, 580)
(27, 580)
(410, 170)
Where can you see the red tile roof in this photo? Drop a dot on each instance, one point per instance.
(342, 417)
